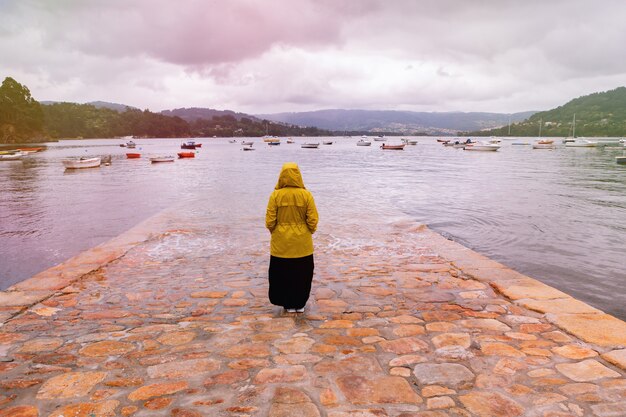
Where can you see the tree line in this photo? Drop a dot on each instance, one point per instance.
(23, 119)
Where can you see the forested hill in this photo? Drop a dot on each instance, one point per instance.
(23, 119)
(597, 114)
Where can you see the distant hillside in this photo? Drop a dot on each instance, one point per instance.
(113, 106)
(97, 104)
(597, 114)
(403, 122)
(194, 113)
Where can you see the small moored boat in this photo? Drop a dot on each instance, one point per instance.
(310, 145)
(393, 147)
(247, 143)
(581, 143)
(32, 150)
(132, 155)
(544, 144)
(248, 148)
(327, 142)
(190, 145)
(362, 142)
(409, 141)
(11, 156)
(380, 138)
(130, 144)
(186, 155)
(620, 159)
(484, 147)
(156, 159)
(77, 163)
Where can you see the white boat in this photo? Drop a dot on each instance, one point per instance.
(573, 137)
(608, 142)
(581, 143)
(291, 141)
(247, 143)
(76, 163)
(131, 144)
(409, 141)
(380, 138)
(362, 142)
(232, 141)
(543, 143)
(310, 145)
(520, 143)
(495, 140)
(480, 146)
(11, 156)
(162, 159)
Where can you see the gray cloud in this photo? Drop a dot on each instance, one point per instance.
(284, 55)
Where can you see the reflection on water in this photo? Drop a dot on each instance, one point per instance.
(559, 216)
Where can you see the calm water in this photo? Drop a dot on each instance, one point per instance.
(558, 216)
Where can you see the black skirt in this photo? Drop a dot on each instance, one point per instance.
(290, 281)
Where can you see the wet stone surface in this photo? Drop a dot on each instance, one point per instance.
(172, 329)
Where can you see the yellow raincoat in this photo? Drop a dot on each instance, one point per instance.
(291, 215)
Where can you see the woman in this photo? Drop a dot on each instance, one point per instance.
(292, 218)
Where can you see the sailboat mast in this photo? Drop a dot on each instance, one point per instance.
(509, 125)
(540, 123)
(574, 127)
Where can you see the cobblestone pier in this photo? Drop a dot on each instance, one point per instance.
(172, 319)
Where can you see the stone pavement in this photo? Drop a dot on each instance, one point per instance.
(174, 321)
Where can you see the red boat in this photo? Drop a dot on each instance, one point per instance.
(394, 147)
(38, 149)
(133, 155)
(186, 155)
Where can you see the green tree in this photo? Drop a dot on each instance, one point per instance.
(21, 117)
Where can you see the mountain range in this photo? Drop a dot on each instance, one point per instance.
(401, 122)
(597, 114)
(192, 114)
(353, 121)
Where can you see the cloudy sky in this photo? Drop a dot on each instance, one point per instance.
(261, 56)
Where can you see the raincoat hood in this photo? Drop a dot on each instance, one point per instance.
(290, 176)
